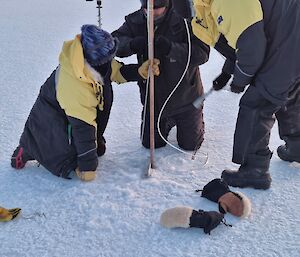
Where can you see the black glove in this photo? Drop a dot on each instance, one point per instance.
(163, 45)
(221, 81)
(101, 148)
(236, 89)
(138, 45)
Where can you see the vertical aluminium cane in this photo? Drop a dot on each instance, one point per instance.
(150, 21)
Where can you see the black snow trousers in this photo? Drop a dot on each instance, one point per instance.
(189, 124)
(255, 120)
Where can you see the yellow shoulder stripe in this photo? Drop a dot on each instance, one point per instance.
(234, 17)
(229, 17)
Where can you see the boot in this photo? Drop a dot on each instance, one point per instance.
(290, 151)
(254, 173)
(19, 158)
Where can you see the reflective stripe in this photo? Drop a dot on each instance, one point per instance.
(82, 154)
(241, 71)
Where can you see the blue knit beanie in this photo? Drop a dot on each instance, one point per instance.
(99, 46)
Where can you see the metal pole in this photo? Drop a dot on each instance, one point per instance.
(198, 103)
(150, 20)
(99, 6)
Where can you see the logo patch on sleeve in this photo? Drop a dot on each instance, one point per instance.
(220, 19)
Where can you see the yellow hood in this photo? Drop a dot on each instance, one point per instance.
(72, 60)
(78, 93)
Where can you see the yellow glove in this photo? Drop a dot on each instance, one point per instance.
(144, 68)
(85, 175)
(9, 214)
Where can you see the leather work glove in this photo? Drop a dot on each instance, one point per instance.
(144, 68)
(236, 89)
(9, 214)
(187, 217)
(221, 81)
(85, 175)
(163, 44)
(138, 45)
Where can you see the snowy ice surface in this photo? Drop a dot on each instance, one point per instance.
(118, 214)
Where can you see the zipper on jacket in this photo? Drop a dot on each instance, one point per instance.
(69, 134)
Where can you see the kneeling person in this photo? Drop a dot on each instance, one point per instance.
(172, 49)
(64, 130)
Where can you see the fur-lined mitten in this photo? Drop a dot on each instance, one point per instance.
(9, 214)
(186, 217)
(235, 203)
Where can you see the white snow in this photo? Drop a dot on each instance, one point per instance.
(118, 213)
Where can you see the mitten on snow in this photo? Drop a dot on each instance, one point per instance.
(235, 203)
(9, 214)
(221, 81)
(138, 45)
(236, 89)
(85, 175)
(208, 220)
(187, 217)
(101, 147)
(144, 68)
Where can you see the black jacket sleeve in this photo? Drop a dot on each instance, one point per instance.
(228, 52)
(130, 72)
(251, 47)
(84, 139)
(199, 50)
(125, 35)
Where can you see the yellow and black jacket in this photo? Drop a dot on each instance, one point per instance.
(263, 33)
(72, 111)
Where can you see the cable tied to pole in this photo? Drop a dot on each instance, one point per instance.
(169, 97)
(173, 91)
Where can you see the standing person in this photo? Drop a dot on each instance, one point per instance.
(171, 48)
(265, 36)
(64, 130)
